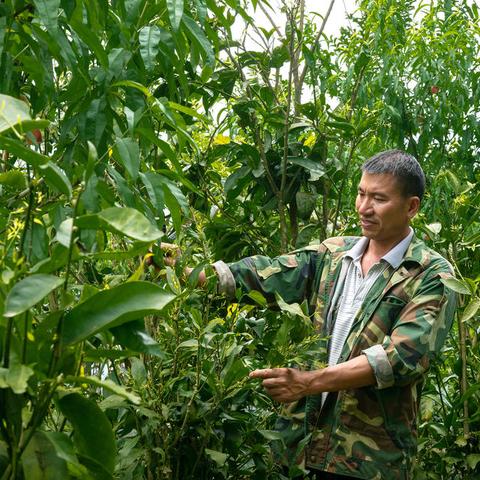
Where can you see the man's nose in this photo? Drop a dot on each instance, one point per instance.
(364, 206)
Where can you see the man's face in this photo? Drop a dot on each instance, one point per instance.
(383, 209)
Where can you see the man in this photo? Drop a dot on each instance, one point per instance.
(381, 302)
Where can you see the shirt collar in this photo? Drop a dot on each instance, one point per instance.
(394, 256)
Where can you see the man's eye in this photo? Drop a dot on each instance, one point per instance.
(379, 199)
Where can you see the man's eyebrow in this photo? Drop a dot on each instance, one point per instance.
(373, 192)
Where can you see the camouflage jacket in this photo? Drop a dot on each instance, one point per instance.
(369, 432)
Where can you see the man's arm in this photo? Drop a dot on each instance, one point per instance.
(290, 384)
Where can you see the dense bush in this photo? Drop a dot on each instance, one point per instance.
(130, 122)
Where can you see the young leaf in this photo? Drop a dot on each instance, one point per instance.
(93, 433)
(29, 291)
(113, 307)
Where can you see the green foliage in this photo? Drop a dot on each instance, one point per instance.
(128, 122)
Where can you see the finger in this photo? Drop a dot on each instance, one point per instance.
(268, 373)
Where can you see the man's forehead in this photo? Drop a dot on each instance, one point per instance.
(378, 182)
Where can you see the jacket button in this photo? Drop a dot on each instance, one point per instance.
(312, 458)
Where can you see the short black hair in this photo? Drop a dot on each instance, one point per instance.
(403, 166)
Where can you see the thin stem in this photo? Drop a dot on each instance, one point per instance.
(25, 337)
(315, 43)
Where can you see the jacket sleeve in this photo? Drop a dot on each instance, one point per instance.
(417, 335)
(291, 276)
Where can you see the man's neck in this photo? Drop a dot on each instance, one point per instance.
(377, 249)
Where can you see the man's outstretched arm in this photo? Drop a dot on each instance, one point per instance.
(289, 384)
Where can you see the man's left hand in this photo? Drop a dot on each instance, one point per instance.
(284, 384)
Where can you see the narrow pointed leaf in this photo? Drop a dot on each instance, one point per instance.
(29, 291)
(113, 307)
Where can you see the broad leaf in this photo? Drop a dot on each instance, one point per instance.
(15, 377)
(133, 336)
(29, 291)
(93, 433)
(41, 461)
(113, 307)
(126, 221)
(456, 285)
(13, 178)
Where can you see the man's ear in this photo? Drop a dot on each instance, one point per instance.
(413, 206)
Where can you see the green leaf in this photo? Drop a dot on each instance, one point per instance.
(293, 308)
(56, 178)
(149, 38)
(89, 37)
(16, 377)
(133, 84)
(127, 153)
(257, 297)
(188, 111)
(473, 459)
(316, 169)
(133, 336)
(163, 192)
(192, 343)
(113, 307)
(271, 435)
(17, 148)
(106, 384)
(14, 178)
(91, 161)
(12, 112)
(456, 285)
(48, 12)
(471, 310)
(126, 221)
(41, 461)
(29, 291)
(175, 12)
(64, 232)
(196, 35)
(93, 433)
(218, 457)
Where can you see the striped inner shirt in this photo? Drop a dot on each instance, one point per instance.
(352, 288)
